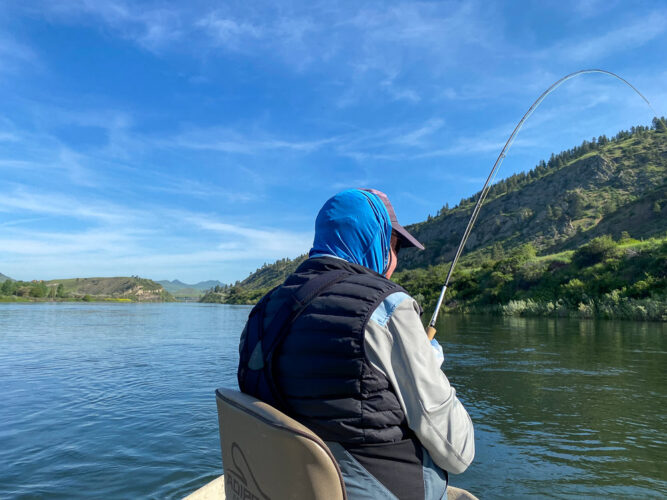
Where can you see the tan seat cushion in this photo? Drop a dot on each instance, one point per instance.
(267, 454)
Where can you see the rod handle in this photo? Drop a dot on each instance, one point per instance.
(430, 332)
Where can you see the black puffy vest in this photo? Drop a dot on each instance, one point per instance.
(320, 368)
(318, 373)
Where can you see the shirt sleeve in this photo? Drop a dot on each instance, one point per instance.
(397, 345)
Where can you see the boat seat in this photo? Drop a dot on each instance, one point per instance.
(266, 454)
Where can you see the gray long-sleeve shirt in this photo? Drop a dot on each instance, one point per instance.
(397, 345)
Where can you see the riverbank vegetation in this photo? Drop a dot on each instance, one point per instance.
(250, 290)
(624, 279)
(123, 289)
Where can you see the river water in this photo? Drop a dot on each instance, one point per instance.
(117, 401)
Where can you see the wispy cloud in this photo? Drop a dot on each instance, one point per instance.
(230, 141)
(75, 244)
(416, 137)
(251, 240)
(591, 8)
(228, 32)
(113, 236)
(122, 250)
(21, 200)
(123, 159)
(369, 47)
(390, 143)
(8, 137)
(633, 33)
(153, 28)
(466, 145)
(192, 188)
(50, 158)
(373, 42)
(15, 55)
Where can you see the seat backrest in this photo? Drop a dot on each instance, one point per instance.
(268, 455)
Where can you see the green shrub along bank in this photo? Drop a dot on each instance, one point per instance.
(625, 279)
(27, 290)
(235, 294)
(255, 286)
(132, 289)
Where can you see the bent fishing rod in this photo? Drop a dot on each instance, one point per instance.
(431, 330)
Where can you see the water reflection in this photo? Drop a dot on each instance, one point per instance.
(575, 405)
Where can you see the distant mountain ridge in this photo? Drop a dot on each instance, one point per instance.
(4, 278)
(614, 186)
(176, 285)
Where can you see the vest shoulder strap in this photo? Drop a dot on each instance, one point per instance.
(256, 364)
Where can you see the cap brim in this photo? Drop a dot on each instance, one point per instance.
(400, 230)
(405, 236)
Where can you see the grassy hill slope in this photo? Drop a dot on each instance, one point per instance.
(601, 187)
(251, 289)
(133, 289)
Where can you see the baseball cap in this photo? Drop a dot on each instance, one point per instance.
(395, 226)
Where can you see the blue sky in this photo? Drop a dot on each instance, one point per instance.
(197, 140)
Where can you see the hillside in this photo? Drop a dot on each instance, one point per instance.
(601, 187)
(4, 278)
(615, 187)
(185, 291)
(254, 286)
(133, 289)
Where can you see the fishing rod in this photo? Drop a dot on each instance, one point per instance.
(431, 331)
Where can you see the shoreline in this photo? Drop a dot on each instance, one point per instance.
(633, 310)
(29, 300)
(513, 309)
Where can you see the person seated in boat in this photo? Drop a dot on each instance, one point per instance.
(341, 349)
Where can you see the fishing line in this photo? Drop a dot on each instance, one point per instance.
(487, 185)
